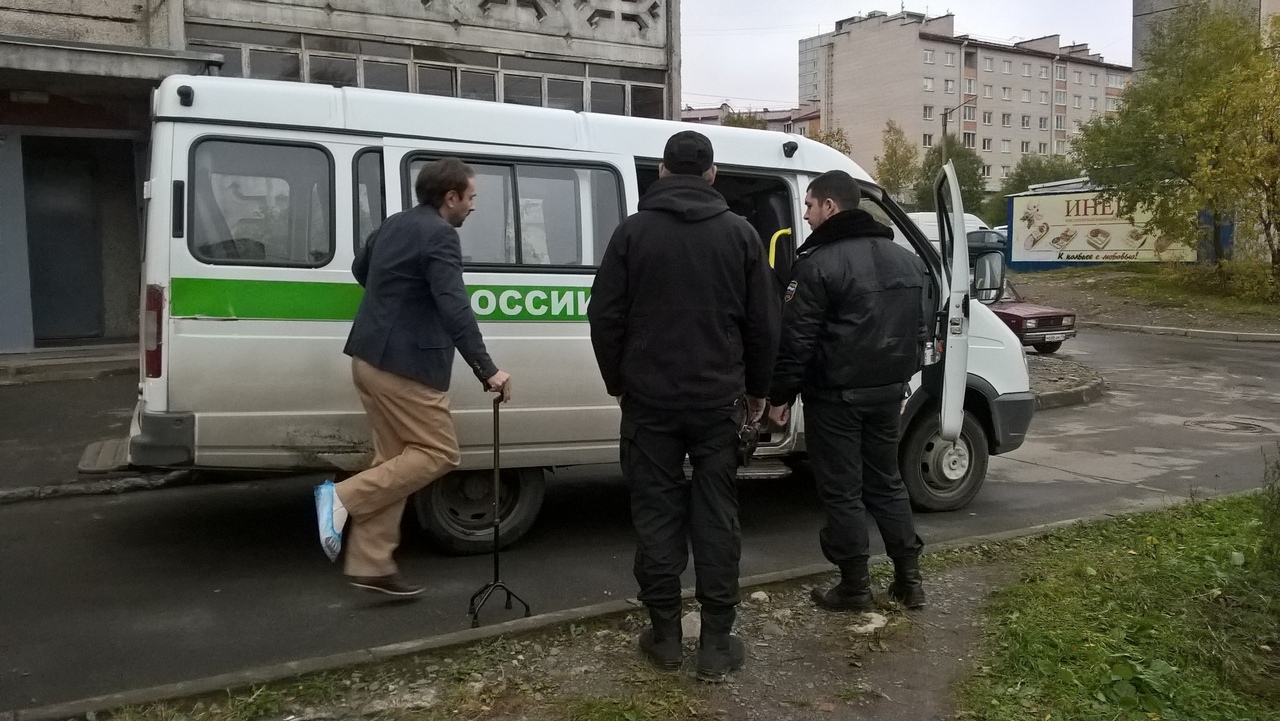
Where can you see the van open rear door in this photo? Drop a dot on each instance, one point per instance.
(955, 264)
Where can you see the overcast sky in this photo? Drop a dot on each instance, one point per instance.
(746, 51)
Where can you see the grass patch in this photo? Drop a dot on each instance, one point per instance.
(1167, 615)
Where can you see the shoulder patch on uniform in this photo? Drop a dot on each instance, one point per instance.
(791, 291)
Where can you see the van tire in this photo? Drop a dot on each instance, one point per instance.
(925, 459)
(456, 512)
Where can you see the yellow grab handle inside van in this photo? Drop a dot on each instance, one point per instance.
(773, 244)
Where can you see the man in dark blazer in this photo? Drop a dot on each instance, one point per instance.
(414, 313)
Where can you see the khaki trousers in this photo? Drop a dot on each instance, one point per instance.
(414, 443)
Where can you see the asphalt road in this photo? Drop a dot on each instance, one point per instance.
(109, 593)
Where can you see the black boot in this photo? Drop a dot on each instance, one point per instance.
(719, 651)
(907, 587)
(660, 643)
(853, 593)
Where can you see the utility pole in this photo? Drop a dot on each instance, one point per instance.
(946, 115)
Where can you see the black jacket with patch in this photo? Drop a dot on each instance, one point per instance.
(684, 310)
(856, 312)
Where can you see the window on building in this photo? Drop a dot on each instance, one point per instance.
(1061, 146)
(1059, 122)
(987, 91)
(232, 63)
(1004, 171)
(928, 57)
(387, 76)
(986, 117)
(1113, 103)
(478, 86)
(1093, 103)
(986, 171)
(1044, 122)
(969, 113)
(522, 90)
(566, 94)
(928, 85)
(1077, 77)
(647, 101)
(986, 144)
(948, 86)
(1007, 67)
(1026, 96)
(971, 86)
(927, 140)
(436, 80)
(608, 98)
(1075, 125)
(969, 139)
(549, 228)
(338, 72)
(1060, 72)
(1093, 80)
(1026, 70)
(261, 204)
(1026, 146)
(1044, 97)
(370, 195)
(1005, 145)
(1006, 93)
(1044, 72)
(928, 112)
(1006, 120)
(1059, 97)
(988, 64)
(1044, 148)
(951, 60)
(271, 65)
(1026, 122)
(1115, 80)
(1077, 101)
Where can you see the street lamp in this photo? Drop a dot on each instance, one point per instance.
(947, 114)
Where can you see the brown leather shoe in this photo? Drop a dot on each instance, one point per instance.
(391, 585)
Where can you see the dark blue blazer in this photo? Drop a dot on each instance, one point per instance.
(415, 309)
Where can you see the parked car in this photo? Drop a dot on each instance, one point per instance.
(1038, 326)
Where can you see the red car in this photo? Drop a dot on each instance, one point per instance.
(1038, 326)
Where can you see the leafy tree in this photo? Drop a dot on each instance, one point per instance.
(1172, 149)
(745, 119)
(973, 187)
(897, 169)
(836, 138)
(1030, 170)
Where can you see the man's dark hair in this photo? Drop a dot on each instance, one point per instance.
(435, 180)
(836, 185)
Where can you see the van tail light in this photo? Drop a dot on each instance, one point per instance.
(153, 330)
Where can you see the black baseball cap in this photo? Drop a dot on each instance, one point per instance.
(688, 152)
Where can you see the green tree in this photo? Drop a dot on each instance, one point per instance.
(744, 119)
(836, 138)
(899, 165)
(1030, 170)
(973, 187)
(1172, 149)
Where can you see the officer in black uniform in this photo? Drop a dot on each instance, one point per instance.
(853, 332)
(684, 322)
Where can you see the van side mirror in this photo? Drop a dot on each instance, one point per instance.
(988, 277)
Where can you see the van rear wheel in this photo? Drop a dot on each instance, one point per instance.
(940, 475)
(456, 511)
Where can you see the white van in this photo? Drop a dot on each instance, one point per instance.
(928, 223)
(260, 193)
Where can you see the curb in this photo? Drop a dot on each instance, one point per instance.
(90, 488)
(277, 672)
(24, 375)
(1187, 332)
(1072, 396)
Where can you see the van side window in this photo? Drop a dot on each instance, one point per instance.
(565, 219)
(370, 195)
(261, 203)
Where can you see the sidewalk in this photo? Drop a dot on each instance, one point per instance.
(71, 363)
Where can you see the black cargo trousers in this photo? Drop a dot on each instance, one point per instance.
(669, 511)
(852, 438)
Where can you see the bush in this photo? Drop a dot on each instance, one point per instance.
(1269, 545)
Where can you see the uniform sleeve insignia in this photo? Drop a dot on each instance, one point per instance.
(791, 291)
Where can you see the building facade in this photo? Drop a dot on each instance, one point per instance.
(1004, 101)
(1146, 13)
(76, 78)
(801, 121)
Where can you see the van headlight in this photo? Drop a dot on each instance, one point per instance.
(1032, 323)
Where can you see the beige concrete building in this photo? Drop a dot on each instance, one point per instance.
(76, 77)
(1147, 13)
(1004, 101)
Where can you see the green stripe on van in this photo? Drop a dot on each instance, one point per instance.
(263, 299)
(293, 300)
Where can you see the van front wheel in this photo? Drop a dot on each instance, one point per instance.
(456, 511)
(940, 475)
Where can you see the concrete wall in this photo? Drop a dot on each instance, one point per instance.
(141, 23)
(115, 193)
(875, 76)
(16, 334)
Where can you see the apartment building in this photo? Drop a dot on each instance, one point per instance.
(801, 121)
(1004, 101)
(76, 78)
(1146, 13)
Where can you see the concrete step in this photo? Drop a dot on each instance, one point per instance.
(759, 469)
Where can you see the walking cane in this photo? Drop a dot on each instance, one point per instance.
(479, 598)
